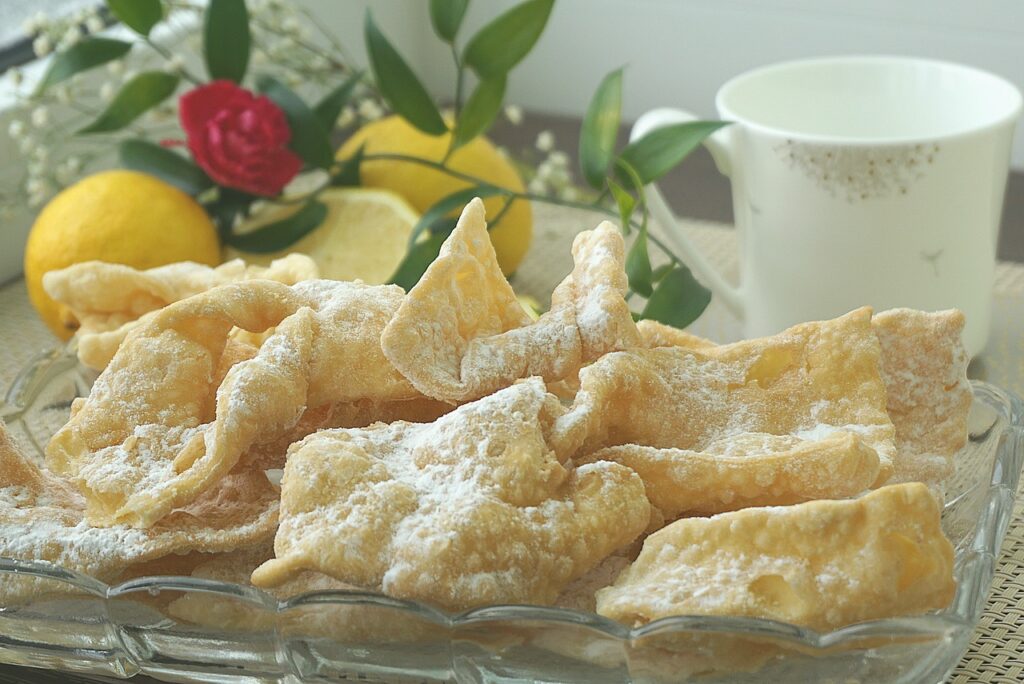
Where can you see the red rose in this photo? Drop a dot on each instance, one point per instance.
(239, 139)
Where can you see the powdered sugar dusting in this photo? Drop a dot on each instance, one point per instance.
(474, 508)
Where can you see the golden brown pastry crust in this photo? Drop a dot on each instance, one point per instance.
(461, 334)
(821, 564)
(473, 509)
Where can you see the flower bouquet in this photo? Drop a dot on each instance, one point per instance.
(263, 123)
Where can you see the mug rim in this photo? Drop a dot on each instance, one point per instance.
(1008, 117)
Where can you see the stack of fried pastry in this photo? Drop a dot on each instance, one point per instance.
(440, 445)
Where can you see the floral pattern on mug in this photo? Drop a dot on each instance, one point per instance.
(860, 173)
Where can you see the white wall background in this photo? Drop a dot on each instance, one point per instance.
(678, 52)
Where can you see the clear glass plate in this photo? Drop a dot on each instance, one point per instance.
(88, 626)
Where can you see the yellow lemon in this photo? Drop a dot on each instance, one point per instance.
(123, 217)
(364, 235)
(424, 186)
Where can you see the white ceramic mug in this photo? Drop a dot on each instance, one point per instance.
(858, 180)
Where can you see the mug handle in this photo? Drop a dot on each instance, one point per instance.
(718, 145)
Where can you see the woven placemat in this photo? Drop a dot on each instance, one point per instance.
(996, 652)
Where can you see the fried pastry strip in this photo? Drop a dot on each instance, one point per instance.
(157, 431)
(103, 296)
(748, 470)
(107, 300)
(41, 519)
(654, 334)
(821, 564)
(472, 509)
(810, 382)
(924, 366)
(460, 333)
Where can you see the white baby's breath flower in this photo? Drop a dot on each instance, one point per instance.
(291, 25)
(370, 110)
(65, 173)
(35, 185)
(36, 167)
(42, 46)
(558, 176)
(40, 117)
(258, 58)
(346, 117)
(107, 91)
(16, 76)
(40, 154)
(26, 145)
(63, 93)
(514, 113)
(537, 187)
(559, 158)
(35, 24)
(503, 151)
(94, 24)
(36, 199)
(545, 141)
(16, 129)
(569, 193)
(545, 171)
(116, 67)
(73, 164)
(71, 36)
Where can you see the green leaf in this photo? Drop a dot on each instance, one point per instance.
(148, 157)
(600, 128)
(629, 175)
(398, 84)
(137, 96)
(678, 300)
(348, 173)
(416, 261)
(638, 265)
(310, 138)
(89, 53)
(480, 111)
(226, 39)
(275, 236)
(662, 149)
(446, 17)
(446, 205)
(138, 15)
(661, 272)
(626, 203)
(228, 205)
(506, 40)
(329, 108)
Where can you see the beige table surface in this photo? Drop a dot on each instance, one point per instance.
(996, 653)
